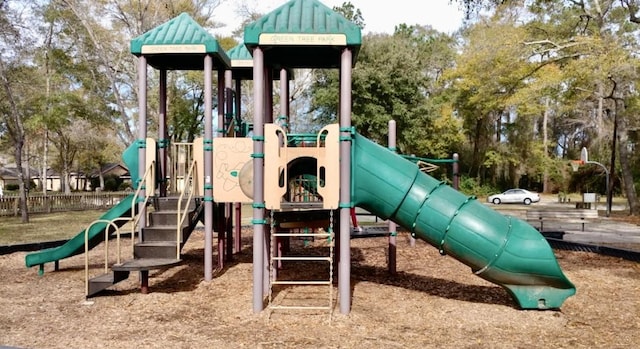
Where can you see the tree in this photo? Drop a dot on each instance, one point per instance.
(17, 87)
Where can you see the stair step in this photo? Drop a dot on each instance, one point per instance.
(146, 264)
(171, 203)
(164, 217)
(104, 281)
(155, 249)
(162, 233)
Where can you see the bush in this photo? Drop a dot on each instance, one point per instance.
(124, 186)
(112, 183)
(471, 186)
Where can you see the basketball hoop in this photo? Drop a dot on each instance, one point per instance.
(575, 164)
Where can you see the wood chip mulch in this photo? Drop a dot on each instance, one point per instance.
(433, 301)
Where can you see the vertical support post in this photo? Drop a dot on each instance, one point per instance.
(268, 118)
(392, 226)
(456, 171)
(268, 86)
(284, 98)
(258, 179)
(344, 263)
(142, 136)
(221, 223)
(208, 169)
(238, 228)
(142, 159)
(228, 118)
(163, 142)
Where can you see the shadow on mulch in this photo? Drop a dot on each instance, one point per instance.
(190, 275)
(433, 286)
(380, 275)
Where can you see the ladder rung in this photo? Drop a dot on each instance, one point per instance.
(300, 307)
(328, 259)
(302, 235)
(301, 282)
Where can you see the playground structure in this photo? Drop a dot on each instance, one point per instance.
(293, 182)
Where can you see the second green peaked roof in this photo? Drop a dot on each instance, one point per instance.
(242, 64)
(179, 44)
(303, 24)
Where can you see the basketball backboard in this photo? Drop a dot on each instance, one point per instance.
(584, 155)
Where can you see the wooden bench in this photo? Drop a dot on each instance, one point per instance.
(577, 216)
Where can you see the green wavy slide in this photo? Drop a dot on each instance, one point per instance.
(501, 249)
(96, 233)
(75, 245)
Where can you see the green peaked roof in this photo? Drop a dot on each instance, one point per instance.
(240, 56)
(242, 64)
(179, 44)
(304, 24)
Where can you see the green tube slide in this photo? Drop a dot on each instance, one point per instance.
(500, 249)
(75, 245)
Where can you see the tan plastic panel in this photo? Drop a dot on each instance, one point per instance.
(329, 158)
(230, 156)
(277, 158)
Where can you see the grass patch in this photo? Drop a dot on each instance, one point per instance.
(45, 227)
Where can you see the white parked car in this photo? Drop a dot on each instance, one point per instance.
(518, 196)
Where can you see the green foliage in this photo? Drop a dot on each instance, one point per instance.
(112, 183)
(397, 78)
(12, 187)
(473, 186)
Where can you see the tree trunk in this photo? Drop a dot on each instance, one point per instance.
(627, 175)
(101, 175)
(66, 185)
(45, 151)
(15, 128)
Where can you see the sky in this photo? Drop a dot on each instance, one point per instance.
(379, 16)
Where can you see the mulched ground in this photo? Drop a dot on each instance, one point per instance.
(433, 302)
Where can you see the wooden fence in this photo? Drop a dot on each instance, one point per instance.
(58, 202)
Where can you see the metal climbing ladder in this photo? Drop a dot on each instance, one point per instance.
(289, 231)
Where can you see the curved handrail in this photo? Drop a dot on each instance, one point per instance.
(109, 222)
(150, 171)
(134, 218)
(183, 215)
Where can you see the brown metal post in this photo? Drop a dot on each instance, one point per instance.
(237, 239)
(163, 142)
(221, 226)
(208, 169)
(456, 172)
(228, 117)
(258, 180)
(142, 136)
(392, 226)
(344, 262)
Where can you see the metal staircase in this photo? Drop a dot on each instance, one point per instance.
(158, 245)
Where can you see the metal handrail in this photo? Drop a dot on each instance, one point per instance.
(150, 171)
(109, 222)
(133, 218)
(183, 215)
